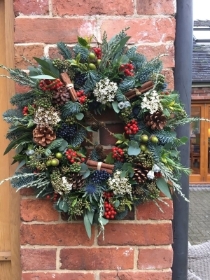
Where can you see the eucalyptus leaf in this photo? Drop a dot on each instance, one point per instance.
(63, 206)
(40, 77)
(87, 225)
(133, 148)
(115, 107)
(163, 187)
(79, 116)
(21, 164)
(90, 215)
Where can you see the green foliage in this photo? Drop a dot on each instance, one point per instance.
(64, 50)
(82, 52)
(47, 67)
(70, 108)
(126, 84)
(78, 138)
(12, 115)
(92, 78)
(148, 70)
(23, 99)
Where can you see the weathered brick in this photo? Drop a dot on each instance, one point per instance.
(165, 51)
(106, 138)
(137, 234)
(21, 89)
(27, 191)
(142, 30)
(168, 73)
(97, 258)
(31, 7)
(156, 275)
(38, 210)
(153, 7)
(92, 7)
(51, 30)
(150, 211)
(28, 52)
(155, 258)
(69, 234)
(57, 276)
(38, 259)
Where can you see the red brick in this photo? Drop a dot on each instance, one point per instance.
(92, 7)
(51, 30)
(38, 259)
(142, 30)
(38, 210)
(153, 7)
(169, 78)
(66, 234)
(157, 275)
(155, 258)
(57, 276)
(27, 191)
(137, 234)
(28, 52)
(97, 258)
(166, 52)
(31, 7)
(150, 211)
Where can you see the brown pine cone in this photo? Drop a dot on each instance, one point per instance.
(43, 135)
(155, 121)
(140, 174)
(61, 96)
(76, 180)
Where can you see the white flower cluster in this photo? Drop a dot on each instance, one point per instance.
(105, 91)
(119, 185)
(124, 104)
(46, 117)
(151, 101)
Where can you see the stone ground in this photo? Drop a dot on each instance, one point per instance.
(199, 215)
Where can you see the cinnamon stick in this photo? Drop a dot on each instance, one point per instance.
(69, 85)
(138, 91)
(100, 166)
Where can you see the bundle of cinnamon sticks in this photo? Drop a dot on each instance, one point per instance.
(100, 166)
(69, 85)
(137, 91)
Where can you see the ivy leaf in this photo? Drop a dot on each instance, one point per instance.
(87, 225)
(83, 42)
(163, 187)
(115, 107)
(133, 148)
(79, 116)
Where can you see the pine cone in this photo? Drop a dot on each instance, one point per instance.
(140, 174)
(76, 180)
(61, 96)
(43, 135)
(155, 121)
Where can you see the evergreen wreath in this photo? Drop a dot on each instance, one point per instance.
(51, 124)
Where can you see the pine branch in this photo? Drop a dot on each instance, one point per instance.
(64, 50)
(13, 115)
(70, 108)
(79, 138)
(23, 99)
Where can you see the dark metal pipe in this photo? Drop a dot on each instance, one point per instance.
(183, 83)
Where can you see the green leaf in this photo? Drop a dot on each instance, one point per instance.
(87, 225)
(63, 206)
(109, 159)
(88, 128)
(83, 42)
(47, 152)
(16, 141)
(21, 164)
(47, 67)
(115, 107)
(123, 174)
(79, 116)
(120, 136)
(90, 215)
(184, 139)
(116, 203)
(40, 77)
(133, 149)
(163, 187)
(124, 59)
(84, 171)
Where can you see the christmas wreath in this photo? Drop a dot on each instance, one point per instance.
(52, 124)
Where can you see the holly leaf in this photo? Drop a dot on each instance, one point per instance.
(79, 116)
(163, 187)
(83, 42)
(109, 159)
(133, 148)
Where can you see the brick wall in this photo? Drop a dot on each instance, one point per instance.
(201, 93)
(140, 246)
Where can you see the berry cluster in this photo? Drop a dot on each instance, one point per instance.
(99, 176)
(118, 153)
(66, 131)
(127, 69)
(50, 84)
(131, 127)
(73, 156)
(81, 96)
(109, 211)
(25, 111)
(97, 51)
(55, 196)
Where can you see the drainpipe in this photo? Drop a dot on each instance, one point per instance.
(183, 83)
